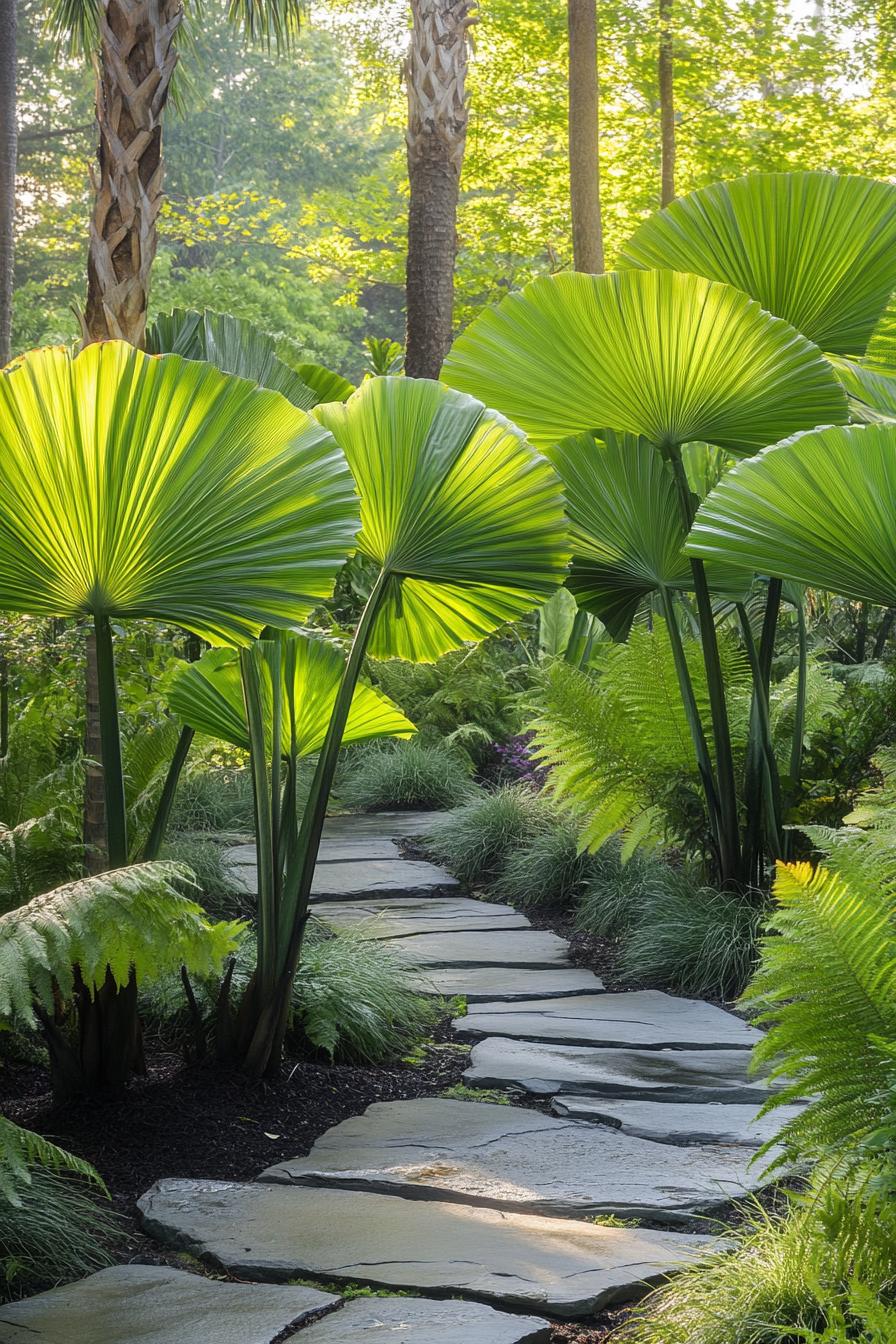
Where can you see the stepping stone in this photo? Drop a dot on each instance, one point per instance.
(663, 1075)
(515, 947)
(646, 1018)
(275, 1232)
(158, 1305)
(397, 918)
(417, 1320)
(681, 1122)
(485, 984)
(331, 851)
(355, 879)
(508, 1158)
(388, 825)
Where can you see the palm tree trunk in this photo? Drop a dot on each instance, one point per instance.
(436, 71)
(134, 65)
(8, 131)
(667, 104)
(584, 152)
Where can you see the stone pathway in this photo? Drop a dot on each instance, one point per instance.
(490, 1206)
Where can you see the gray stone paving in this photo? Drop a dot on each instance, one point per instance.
(644, 1018)
(507, 1157)
(483, 984)
(153, 1304)
(675, 1075)
(678, 1122)
(418, 1320)
(397, 918)
(275, 1233)
(511, 947)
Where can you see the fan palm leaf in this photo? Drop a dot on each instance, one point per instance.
(465, 521)
(139, 486)
(665, 356)
(819, 508)
(816, 249)
(208, 695)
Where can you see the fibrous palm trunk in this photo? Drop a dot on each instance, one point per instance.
(667, 103)
(7, 169)
(584, 154)
(436, 71)
(134, 65)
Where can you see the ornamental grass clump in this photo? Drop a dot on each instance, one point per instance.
(476, 840)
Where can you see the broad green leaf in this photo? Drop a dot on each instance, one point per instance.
(464, 518)
(208, 696)
(627, 531)
(556, 621)
(133, 485)
(871, 392)
(668, 357)
(233, 345)
(819, 508)
(324, 383)
(816, 249)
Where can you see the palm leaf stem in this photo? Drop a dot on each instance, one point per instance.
(729, 834)
(110, 739)
(166, 800)
(251, 670)
(799, 716)
(762, 766)
(769, 631)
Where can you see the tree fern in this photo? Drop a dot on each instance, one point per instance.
(826, 989)
(132, 918)
(21, 1150)
(35, 855)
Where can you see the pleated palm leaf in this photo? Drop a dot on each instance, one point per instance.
(465, 523)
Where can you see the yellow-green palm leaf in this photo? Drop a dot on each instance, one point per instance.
(133, 485)
(665, 356)
(626, 526)
(208, 696)
(819, 508)
(815, 248)
(465, 520)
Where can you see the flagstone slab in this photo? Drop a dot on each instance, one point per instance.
(158, 1305)
(275, 1232)
(331, 851)
(674, 1075)
(357, 879)
(396, 917)
(673, 1122)
(645, 1018)
(392, 825)
(511, 947)
(419, 1320)
(509, 1158)
(484, 984)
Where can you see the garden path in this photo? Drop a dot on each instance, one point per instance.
(489, 1204)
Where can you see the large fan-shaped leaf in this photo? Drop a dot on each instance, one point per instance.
(133, 485)
(466, 521)
(627, 532)
(324, 383)
(871, 392)
(819, 508)
(816, 249)
(233, 345)
(665, 356)
(208, 695)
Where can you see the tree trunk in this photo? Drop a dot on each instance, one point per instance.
(134, 65)
(436, 70)
(8, 74)
(667, 104)
(584, 152)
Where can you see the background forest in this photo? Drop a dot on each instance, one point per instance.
(286, 178)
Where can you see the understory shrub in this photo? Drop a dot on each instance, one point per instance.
(475, 841)
(824, 1274)
(407, 774)
(549, 869)
(213, 798)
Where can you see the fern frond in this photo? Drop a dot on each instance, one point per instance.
(21, 1149)
(132, 918)
(826, 990)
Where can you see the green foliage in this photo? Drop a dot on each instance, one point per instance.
(216, 891)
(35, 856)
(826, 992)
(550, 869)
(56, 1232)
(488, 1095)
(407, 775)
(476, 840)
(213, 798)
(21, 1151)
(132, 918)
(825, 1274)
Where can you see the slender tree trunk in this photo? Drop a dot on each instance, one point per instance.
(667, 103)
(133, 77)
(436, 71)
(8, 130)
(584, 151)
